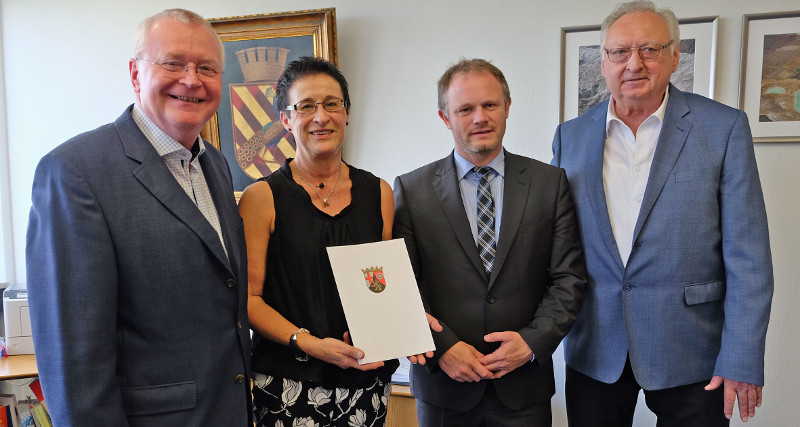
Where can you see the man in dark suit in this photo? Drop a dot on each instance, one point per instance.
(136, 263)
(496, 250)
(675, 232)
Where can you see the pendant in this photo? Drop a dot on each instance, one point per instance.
(326, 202)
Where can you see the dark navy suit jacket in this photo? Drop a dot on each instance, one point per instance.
(138, 315)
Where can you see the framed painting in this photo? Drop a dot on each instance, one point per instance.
(769, 82)
(583, 86)
(246, 127)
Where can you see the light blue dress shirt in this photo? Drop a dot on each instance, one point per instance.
(468, 183)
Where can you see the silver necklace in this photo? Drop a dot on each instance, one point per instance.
(322, 185)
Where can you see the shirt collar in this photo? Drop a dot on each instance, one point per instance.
(464, 166)
(611, 116)
(162, 142)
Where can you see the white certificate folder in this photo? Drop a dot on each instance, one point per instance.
(381, 300)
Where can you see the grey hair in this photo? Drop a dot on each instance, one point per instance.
(182, 15)
(641, 6)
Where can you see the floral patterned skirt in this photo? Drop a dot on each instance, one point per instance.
(282, 402)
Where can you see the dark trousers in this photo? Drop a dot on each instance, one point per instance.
(489, 412)
(591, 403)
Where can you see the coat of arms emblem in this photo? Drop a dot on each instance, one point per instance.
(261, 144)
(375, 280)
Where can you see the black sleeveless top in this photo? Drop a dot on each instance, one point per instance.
(299, 282)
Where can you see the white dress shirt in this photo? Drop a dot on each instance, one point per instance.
(626, 168)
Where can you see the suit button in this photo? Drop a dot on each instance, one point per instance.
(230, 283)
(239, 324)
(627, 287)
(239, 379)
(491, 299)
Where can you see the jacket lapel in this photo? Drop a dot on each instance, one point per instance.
(673, 136)
(158, 180)
(222, 195)
(445, 185)
(595, 135)
(516, 190)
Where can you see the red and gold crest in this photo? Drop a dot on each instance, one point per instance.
(376, 282)
(261, 144)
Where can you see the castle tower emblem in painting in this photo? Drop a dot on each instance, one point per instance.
(375, 280)
(261, 144)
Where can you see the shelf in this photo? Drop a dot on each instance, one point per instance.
(21, 366)
(401, 390)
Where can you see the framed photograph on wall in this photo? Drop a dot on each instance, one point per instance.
(583, 86)
(770, 77)
(246, 128)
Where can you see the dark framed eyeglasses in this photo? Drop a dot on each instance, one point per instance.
(647, 52)
(173, 66)
(331, 105)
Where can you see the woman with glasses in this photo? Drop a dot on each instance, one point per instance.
(306, 370)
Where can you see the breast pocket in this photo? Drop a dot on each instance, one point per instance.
(538, 225)
(700, 293)
(698, 174)
(159, 399)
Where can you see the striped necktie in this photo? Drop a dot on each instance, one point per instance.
(487, 244)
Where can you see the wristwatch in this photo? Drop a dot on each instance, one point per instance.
(300, 355)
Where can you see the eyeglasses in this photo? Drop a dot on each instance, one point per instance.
(647, 52)
(173, 66)
(331, 105)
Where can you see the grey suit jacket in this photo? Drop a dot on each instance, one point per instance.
(694, 299)
(535, 288)
(138, 315)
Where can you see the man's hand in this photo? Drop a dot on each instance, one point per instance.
(461, 362)
(420, 358)
(749, 396)
(433, 323)
(513, 353)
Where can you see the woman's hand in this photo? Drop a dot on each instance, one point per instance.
(337, 352)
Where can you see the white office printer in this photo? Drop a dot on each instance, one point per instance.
(17, 320)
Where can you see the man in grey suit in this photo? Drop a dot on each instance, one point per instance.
(136, 263)
(496, 250)
(675, 233)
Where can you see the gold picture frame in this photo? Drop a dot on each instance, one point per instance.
(246, 129)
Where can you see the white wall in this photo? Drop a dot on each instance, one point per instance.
(65, 67)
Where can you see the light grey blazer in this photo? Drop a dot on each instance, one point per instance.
(138, 315)
(694, 299)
